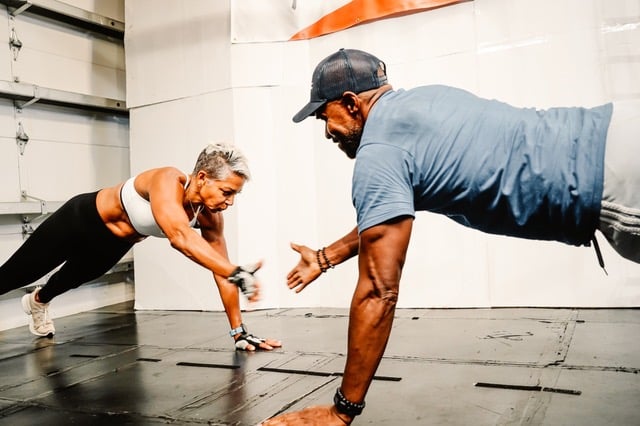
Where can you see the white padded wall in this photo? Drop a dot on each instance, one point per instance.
(175, 49)
(178, 80)
(165, 279)
(526, 52)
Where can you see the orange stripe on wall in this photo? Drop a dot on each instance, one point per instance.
(359, 12)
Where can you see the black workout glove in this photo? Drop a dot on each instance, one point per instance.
(244, 278)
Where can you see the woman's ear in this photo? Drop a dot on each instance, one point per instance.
(201, 178)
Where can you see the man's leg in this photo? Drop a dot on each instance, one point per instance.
(620, 214)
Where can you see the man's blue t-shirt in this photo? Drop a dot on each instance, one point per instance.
(512, 171)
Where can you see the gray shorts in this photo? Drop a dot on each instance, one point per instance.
(620, 214)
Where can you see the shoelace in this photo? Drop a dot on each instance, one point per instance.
(39, 314)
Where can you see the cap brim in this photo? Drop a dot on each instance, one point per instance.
(308, 110)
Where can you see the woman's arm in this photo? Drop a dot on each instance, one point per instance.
(212, 229)
(165, 190)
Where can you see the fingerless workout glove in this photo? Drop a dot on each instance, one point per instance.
(244, 278)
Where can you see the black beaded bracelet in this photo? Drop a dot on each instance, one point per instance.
(322, 268)
(326, 259)
(344, 406)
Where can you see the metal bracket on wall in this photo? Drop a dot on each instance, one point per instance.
(36, 97)
(24, 94)
(27, 229)
(15, 44)
(21, 9)
(30, 208)
(21, 138)
(43, 204)
(68, 14)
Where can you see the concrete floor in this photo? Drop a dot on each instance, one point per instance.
(115, 366)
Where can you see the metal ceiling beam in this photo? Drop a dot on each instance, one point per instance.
(68, 14)
(30, 93)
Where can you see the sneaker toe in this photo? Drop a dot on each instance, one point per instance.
(43, 330)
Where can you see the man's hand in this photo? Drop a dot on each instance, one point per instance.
(322, 415)
(306, 271)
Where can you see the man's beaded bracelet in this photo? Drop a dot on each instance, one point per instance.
(326, 259)
(344, 406)
(322, 268)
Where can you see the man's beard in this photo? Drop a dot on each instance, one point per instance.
(350, 143)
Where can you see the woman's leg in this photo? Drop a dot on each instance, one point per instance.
(87, 248)
(95, 249)
(46, 248)
(88, 263)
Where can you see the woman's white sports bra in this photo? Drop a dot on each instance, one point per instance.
(139, 210)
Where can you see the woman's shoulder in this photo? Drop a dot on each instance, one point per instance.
(167, 172)
(159, 177)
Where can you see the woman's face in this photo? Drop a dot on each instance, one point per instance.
(218, 194)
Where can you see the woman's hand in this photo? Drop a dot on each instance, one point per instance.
(306, 271)
(244, 277)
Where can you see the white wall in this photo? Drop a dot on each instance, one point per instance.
(188, 85)
(69, 150)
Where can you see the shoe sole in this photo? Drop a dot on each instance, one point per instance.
(26, 307)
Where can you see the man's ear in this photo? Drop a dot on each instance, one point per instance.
(351, 101)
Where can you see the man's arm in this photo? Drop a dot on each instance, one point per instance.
(383, 251)
(382, 254)
(309, 265)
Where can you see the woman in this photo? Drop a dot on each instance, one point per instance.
(91, 232)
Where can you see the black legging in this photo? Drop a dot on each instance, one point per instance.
(74, 234)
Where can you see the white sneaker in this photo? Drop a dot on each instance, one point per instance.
(39, 322)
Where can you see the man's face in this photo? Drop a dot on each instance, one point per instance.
(341, 127)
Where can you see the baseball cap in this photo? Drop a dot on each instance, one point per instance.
(345, 70)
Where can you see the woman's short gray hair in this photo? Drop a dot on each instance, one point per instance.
(221, 159)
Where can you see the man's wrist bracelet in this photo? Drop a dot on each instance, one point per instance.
(322, 268)
(326, 259)
(344, 406)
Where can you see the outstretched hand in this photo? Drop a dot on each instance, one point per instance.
(244, 277)
(321, 415)
(306, 271)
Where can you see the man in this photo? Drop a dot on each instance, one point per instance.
(520, 172)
